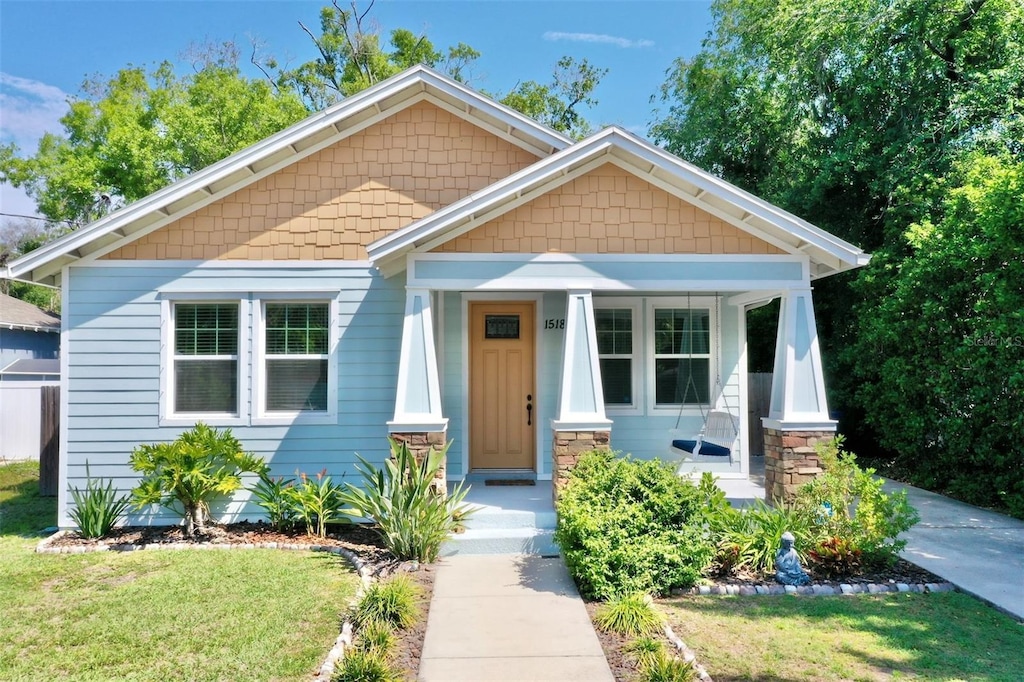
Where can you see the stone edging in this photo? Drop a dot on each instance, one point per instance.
(344, 639)
(687, 654)
(816, 589)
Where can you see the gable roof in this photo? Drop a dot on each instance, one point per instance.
(17, 314)
(306, 137)
(828, 254)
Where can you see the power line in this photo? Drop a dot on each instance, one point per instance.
(29, 217)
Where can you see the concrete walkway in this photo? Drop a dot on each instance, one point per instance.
(509, 617)
(979, 551)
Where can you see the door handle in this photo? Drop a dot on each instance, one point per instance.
(529, 409)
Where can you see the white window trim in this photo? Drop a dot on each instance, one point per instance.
(168, 417)
(634, 305)
(693, 302)
(261, 417)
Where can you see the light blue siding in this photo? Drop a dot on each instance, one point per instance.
(114, 360)
(22, 344)
(452, 389)
(649, 435)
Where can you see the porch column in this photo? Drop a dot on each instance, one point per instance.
(418, 420)
(580, 424)
(798, 416)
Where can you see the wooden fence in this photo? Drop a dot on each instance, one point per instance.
(759, 387)
(49, 440)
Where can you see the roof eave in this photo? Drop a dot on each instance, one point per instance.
(44, 264)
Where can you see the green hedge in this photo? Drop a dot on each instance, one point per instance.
(628, 526)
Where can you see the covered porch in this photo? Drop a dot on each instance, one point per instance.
(598, 299)
(521, 370)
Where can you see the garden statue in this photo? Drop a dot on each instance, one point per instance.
(787, 563)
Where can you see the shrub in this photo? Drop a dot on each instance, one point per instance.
(277, 497)
(754, 535)
(316, 502)
(632, 615)
(395, 602)
(365, 666)
(97, 508)
(629, 526)
(186, 475)
(847, 502)
(412, 517)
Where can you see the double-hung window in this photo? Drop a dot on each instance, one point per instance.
(615, 349)
(296, 354)
(682, 356)
(205, 359)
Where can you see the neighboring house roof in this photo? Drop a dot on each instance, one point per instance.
(17, 314)
(349, 116)
(561, 160)
(28, 366)
(828, 253)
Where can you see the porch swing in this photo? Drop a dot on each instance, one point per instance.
(717, 436)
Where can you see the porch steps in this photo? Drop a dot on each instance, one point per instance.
(507, 520)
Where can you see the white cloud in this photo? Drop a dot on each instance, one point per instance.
(597, 38)
(28, 109)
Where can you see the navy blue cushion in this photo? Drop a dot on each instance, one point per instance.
(705, 448)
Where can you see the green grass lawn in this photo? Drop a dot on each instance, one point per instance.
(158, 615)
(943, 636)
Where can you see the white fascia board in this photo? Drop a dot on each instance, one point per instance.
(288, 141)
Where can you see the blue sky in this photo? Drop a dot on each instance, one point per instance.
(47, 49)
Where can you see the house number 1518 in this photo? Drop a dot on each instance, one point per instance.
(552, 323)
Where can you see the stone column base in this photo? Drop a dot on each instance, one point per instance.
(566, 448)
(790, 460)
(420, 445)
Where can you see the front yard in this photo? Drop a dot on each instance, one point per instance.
(158, 615)
(942, 636)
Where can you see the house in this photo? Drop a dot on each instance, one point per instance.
(421, 261)
(29, 350)
(29, 341)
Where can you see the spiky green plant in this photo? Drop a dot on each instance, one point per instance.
(98, 507)
(412, 517)
(666, 668)
(365, 666)
(395, 601)
(645, 650)
(632, 615)
(376, 636)
(317, 502)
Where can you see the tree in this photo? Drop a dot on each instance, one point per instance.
(852, 114)
(556, 105)
(138, 131)
(351, 57)
(947, 334)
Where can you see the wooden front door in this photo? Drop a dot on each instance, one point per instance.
(502, 417)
